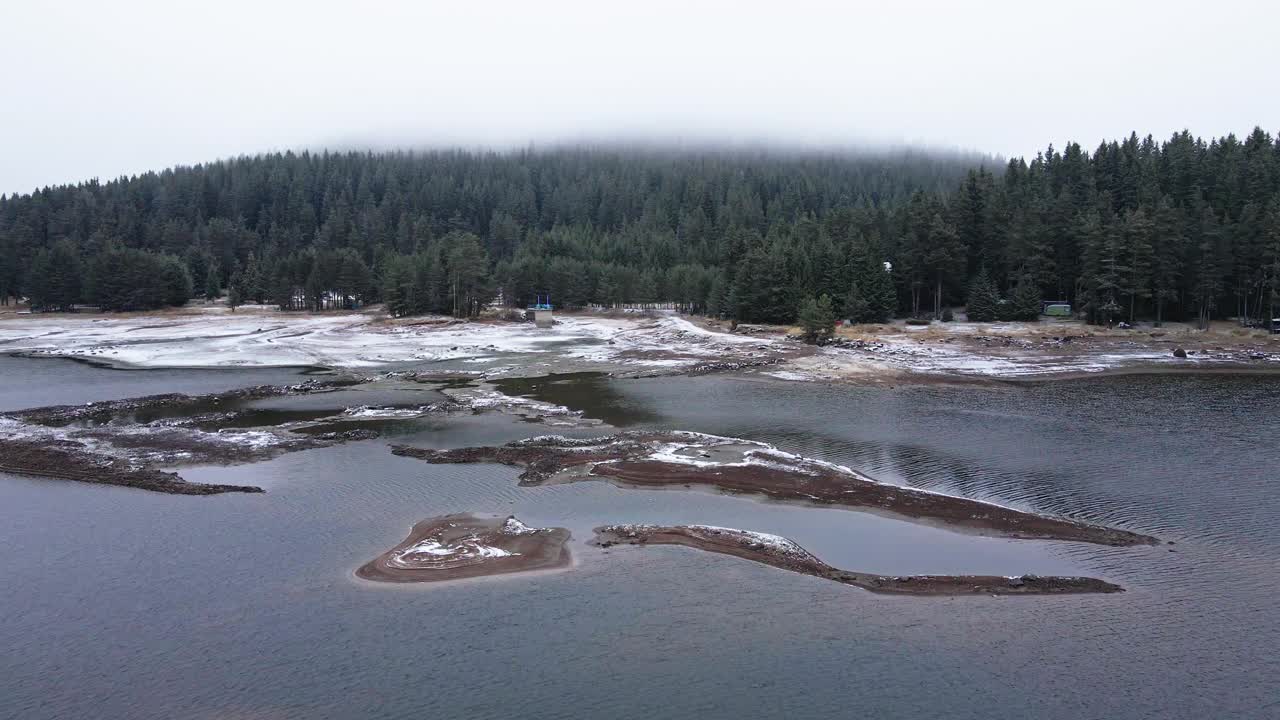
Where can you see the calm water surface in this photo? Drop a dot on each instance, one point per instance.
(122, 603)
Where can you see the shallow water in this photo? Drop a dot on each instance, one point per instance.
(122, 603)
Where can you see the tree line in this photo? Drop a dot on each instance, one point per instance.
(1179, 229)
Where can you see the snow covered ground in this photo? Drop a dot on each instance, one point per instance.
(260, 337)
(209, 338)
(1013, 351)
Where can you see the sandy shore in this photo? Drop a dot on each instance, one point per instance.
(457, 547)
(683, 459)
(781, 552)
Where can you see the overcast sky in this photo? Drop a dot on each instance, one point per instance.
(100, 89)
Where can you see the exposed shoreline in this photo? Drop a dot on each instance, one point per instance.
(666, 459)
(780, 552)
(464, 546)
(1154, 370)
(632, 345)
(126, 442)
(68, 461)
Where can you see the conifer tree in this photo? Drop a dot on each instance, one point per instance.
(983, 304)
(874, 281)
(603, 226)
(856, 307)
(54, 281)
(1166, 268)
(1208, 283)
(1271, 261)
(817, 319)
(943, 257)
(212, 283)
(1135, 278)
(1024, 301)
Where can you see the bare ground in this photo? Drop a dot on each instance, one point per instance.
(783, 553)
(462, 546)
(664, 459)
(125, 442)
(68, 460)
(635, 345)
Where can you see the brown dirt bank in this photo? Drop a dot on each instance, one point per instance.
(782, 553)
(66, 460)
(177, 403)
(461, 546)
(125, 441)
(661, 459)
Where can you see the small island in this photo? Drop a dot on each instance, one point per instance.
(461, 546)
(686, 459)
(781, 552)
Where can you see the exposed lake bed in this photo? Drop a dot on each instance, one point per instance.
(783, 553)
(464, 546)
(331, 506)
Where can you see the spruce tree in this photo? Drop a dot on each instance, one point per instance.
(1208, 283)
(1135, 279)
(1271, 261)
(175, 279)
(984, 299)
(817, 319)
(601, 220)
(235, 291)
(856, 307)
(1024, 301)
(212, 283)
(875, 282)
(944, 257)
(55, 279)
(1166, 267)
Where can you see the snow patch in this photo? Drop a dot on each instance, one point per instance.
(367, 412)
(789, 375)
(514, 527)
(773, 542)
(444, 555)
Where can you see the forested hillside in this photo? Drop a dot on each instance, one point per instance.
(1178, 229)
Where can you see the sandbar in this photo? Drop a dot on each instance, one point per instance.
(781, 552)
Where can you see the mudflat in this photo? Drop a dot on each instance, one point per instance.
(461, 546)
(673, 458)
(783, 553)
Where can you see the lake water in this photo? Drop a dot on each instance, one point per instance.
(122, 603)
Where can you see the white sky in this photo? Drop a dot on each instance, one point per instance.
(108, 88)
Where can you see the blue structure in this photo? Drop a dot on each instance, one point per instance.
(541, 311)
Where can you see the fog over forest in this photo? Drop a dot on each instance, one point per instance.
(103, 90)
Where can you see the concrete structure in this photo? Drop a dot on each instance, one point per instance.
(541, 311)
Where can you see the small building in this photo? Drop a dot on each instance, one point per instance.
(1057, 309)
(541, 311)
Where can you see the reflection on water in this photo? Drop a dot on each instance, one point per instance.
(595, 394)
(28, 383)
(120, 603)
